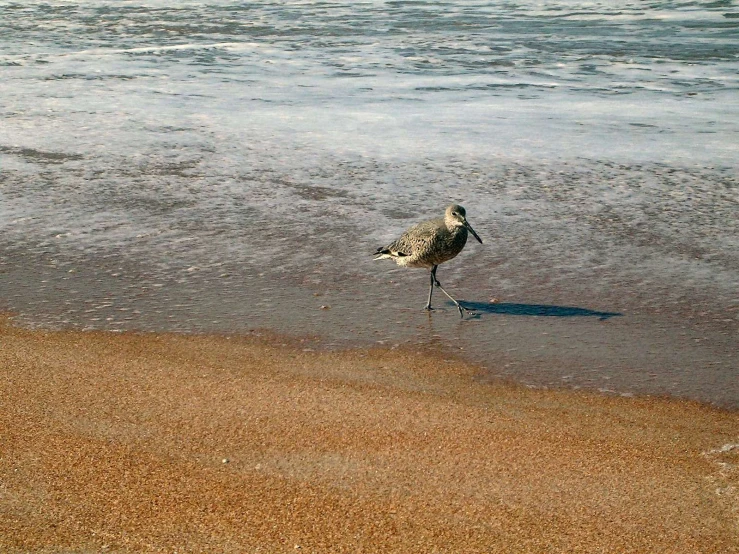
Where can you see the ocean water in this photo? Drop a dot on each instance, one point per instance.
(225, 166)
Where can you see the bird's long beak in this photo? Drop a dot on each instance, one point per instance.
(471, 230)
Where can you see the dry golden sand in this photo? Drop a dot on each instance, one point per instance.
(116, 443)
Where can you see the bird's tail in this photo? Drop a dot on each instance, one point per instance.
(385, 253)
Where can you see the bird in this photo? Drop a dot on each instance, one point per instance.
(430, 243)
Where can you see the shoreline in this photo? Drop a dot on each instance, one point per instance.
(138, 442)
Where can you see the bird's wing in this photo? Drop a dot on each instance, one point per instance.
(418, 239)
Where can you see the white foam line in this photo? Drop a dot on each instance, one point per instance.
(725, 448)
(107, 51)
(724, 466)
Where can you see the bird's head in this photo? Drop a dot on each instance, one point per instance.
(456, 216)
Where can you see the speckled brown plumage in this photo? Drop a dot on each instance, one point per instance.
(427, 244)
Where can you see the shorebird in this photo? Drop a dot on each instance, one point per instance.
(431, 243)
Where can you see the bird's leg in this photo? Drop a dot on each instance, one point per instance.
(431, 289)
(459, 306)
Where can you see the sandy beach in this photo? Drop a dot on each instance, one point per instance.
(171, 443)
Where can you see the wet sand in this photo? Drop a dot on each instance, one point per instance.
(125, 442)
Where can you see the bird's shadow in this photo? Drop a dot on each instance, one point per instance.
(545, 310)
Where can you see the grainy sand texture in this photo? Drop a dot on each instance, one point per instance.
(167, 443)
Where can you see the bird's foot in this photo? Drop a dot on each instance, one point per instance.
(463, 310)
(428, 308)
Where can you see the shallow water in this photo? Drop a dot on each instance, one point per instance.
(223, 167)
